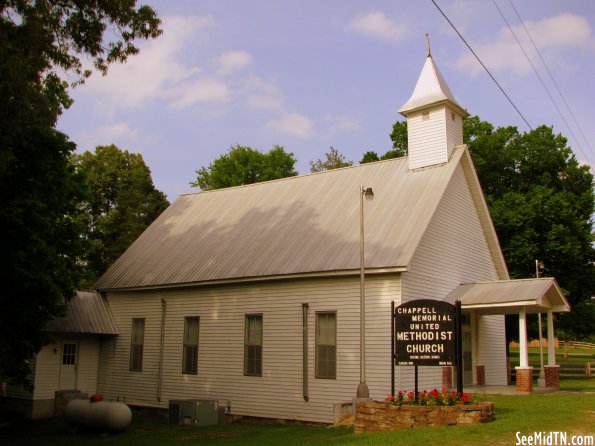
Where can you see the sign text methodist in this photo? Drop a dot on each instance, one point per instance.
(425, 333)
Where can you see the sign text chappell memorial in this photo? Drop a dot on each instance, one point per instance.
(425, 333)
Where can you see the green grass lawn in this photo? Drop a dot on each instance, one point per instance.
(582, 384)
(574, 354)
(571, 365)
(571, 413)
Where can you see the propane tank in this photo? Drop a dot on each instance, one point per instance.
(98, 415)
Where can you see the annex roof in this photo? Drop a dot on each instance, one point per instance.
(510, 296)
(431, 89)
(297, 225)
(87, 313)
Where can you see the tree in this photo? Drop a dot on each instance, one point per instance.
(369, 157)
(40, 244)
(393, 154)
(334, 160)
(372, 156)
(39, 188)
(120, 203)
(542, 201)
(41, 36)
(245, 165)
(399, 138)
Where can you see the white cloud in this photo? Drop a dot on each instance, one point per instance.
(232, 61)
(120, 134)
(262, 94)
(467, 12)
(265, 95)
(563, 31)
(204, 89)
(553, 35)
(291, 123)
(376, 24)
(338, 125)
(158, 72)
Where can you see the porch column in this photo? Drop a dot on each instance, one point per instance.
(524, 353)
(551, 347)
(524, 373)
(552, 371)
(480, 375)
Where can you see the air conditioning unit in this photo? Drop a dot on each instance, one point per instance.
(195, 412)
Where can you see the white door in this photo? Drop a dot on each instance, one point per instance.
(467, 359)
(69, 365)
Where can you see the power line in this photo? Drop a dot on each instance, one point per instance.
(537, 74)
(553, 80)
(482, 64)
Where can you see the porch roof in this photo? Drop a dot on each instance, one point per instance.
(511, 296)
(87, 313)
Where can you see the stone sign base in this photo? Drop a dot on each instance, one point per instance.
(378, 416)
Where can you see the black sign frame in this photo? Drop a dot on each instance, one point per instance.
(426, 332)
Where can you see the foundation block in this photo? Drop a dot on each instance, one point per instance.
(552, 376)
(524, 379)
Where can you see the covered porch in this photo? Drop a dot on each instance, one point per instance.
(522, 297)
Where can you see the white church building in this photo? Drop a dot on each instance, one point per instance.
(252, 295)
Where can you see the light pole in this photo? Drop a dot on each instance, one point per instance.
(541, 380)
(362, 388)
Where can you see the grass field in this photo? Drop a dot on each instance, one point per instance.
(572, 362)
(570, 413)
(578, 384)
(574, 354)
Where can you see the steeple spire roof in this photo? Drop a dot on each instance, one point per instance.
(431, 89)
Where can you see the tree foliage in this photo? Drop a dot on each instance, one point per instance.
(372, 156)
(245, 165)
(542, 202)
(41, 36)
(334, 160)
(40, 191)
(369, 157)
(399, 138)
(120, 203)
(40, 244)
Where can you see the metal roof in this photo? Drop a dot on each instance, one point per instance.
(431, 88)
(509, 296)
(297, 225)
(87, 313)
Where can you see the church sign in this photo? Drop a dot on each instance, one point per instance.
(424, 333)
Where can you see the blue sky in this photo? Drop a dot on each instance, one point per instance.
(308, 75)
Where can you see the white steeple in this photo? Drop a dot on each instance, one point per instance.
(434, 119)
